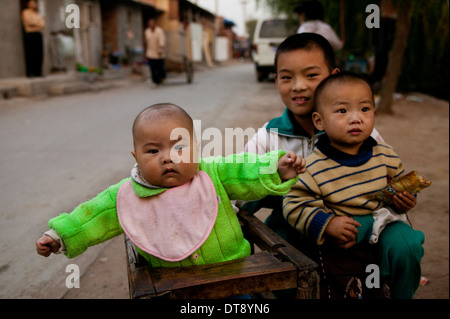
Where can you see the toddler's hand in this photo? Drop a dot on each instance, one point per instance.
(290, 165)
(404, 201)
(46, 245)
(343, 231)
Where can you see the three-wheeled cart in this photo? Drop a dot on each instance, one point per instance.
(179, 53)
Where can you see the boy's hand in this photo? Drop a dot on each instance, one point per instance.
(290, 165)
(343, 231)
(46, 245)
(404, 201)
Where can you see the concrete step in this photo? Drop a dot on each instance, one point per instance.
(28, 87)
(75, 87)
(59, 84)
(7, 92)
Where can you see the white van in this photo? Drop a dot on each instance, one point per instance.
(269, 33)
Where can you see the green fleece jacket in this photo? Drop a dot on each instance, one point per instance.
(234, 177)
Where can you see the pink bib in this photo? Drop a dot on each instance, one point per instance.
(173, 224)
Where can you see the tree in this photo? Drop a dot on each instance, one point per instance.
(395, 64)
(426, 63)
(251, 26)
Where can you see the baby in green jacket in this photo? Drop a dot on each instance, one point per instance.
(175, 207)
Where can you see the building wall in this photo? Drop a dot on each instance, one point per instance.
(122, 31)
(130, 32)
(91, 33)
(55, 21)
(12, 56)
(109, 26)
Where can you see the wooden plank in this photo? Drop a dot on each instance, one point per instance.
(308, 285)
(296, 257)
(253, 265)
(256, 273)
(267, 239)
(238, 286)
(257, 263)
(260, 233)
(139, 281)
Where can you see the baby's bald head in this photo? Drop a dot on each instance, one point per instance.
(162, 112)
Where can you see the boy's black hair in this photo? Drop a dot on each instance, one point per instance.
(307, 41)
(341, 76)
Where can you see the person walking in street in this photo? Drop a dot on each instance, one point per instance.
(155, 42)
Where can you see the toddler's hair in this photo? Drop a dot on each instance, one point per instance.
(340, 77)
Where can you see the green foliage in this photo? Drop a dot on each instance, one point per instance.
(358, 39)
(426, 60)
(283, 6)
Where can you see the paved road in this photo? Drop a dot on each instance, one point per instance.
(57, 152)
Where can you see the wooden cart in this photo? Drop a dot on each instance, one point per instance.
(179, 56)
(181, 65)
(276, 265)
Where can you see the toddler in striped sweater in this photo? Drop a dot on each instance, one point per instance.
(335, 199)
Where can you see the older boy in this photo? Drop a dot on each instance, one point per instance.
(175, 208)
(334, 198)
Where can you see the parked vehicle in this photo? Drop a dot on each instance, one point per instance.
(269, 33)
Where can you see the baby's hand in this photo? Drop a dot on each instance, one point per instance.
(46, 245)
(290, 165)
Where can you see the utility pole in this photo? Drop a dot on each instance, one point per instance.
(244, 14)
(216, 28)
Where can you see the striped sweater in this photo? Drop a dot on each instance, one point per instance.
(337, 183)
